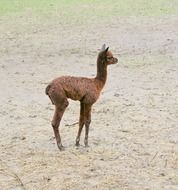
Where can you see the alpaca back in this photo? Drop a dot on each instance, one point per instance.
(76, 88)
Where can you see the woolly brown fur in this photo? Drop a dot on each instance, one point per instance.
(85, 90)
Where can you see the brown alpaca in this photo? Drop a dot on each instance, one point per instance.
(86, 90)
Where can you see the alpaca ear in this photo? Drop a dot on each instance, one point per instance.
(103, 47)
(106, 49)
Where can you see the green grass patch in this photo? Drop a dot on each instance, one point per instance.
(85, 8)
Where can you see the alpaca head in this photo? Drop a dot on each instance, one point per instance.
(106, 57)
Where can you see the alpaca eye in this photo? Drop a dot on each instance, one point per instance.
(109, 58)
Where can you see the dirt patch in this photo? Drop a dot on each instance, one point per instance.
(133, 136)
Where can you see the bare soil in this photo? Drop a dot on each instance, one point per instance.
(134, 131)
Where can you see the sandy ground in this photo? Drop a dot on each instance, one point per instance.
(134, 131)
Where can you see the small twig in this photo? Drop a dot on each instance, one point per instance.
(72, 124)
(12, 174)
(75, 154)
(154, 157)
(165, 166)
(176, 162)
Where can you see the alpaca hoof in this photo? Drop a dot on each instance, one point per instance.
(61, 148)
(86, 146)
(77, 144)
(86, 143)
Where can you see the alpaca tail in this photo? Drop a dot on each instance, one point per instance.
(47, 92)
(47, 89)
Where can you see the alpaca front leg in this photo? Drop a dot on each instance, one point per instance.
(86, 134)
(81, 124)
(79, 133)
(87, 123)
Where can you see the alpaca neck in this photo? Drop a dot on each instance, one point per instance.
(101, 72)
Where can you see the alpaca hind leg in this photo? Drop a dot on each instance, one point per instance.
(81, 124)
(59, 111)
